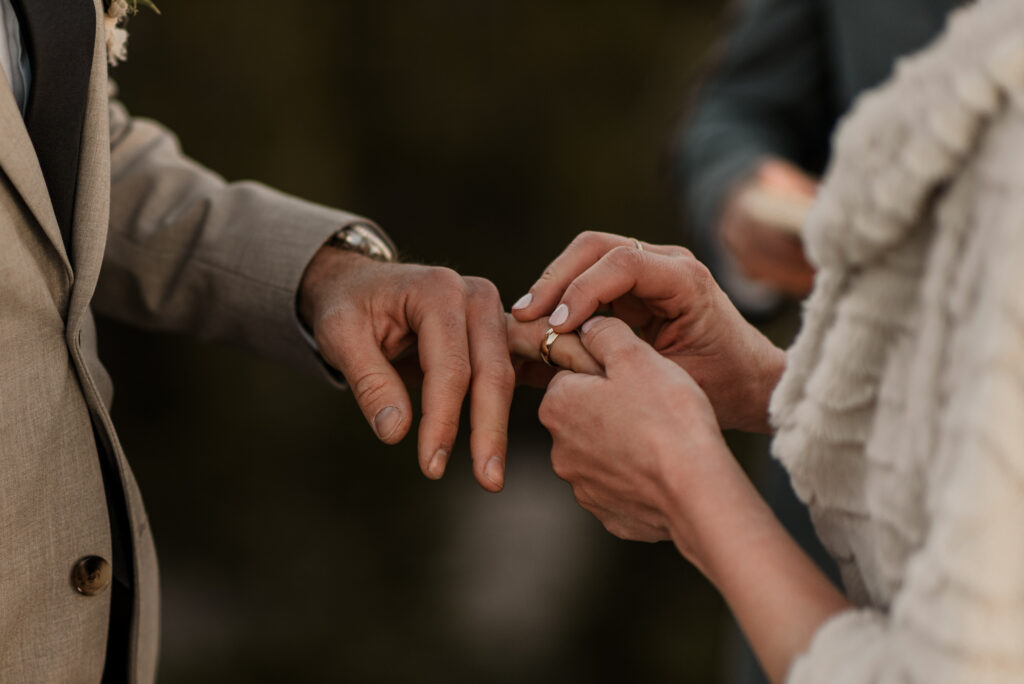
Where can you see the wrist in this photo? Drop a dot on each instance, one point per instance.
(323, 269)
(762, 377)
(691, 490)
(715, 512)
(352, 244)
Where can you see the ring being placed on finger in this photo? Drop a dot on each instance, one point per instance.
(636, 243)
(545, 346)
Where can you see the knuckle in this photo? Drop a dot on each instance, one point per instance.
(446, 426)
(500, 371)
(548, 275)
(703, 281)
(482, 287)
(548, 413)
(370, 387)
(493, 434)
(616, 528)
(587, 237)
(576, 290)
(447, 281)
(561, 467)
(626, 258)
(589, 241)
(458, 368)
(583, 496)
(605, 327)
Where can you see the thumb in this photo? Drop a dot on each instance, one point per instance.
(611, 342)
(376, 385)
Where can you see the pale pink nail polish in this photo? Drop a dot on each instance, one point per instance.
(559, 315)
(523, 301)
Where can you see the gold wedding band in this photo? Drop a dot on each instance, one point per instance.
(636, 243)
(545, 346)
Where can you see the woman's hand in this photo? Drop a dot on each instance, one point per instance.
(675, 305)
(633, 440)
(643, 453)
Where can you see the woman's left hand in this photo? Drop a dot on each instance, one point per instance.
(642, 451)
(633, 441)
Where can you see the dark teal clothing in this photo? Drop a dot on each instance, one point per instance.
(788, 71)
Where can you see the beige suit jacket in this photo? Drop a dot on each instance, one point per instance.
(158, 241)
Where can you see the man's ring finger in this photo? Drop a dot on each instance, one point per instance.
(545, 346)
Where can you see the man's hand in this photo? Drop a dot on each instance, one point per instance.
(765, 248)
(673, 302)
(366, 314)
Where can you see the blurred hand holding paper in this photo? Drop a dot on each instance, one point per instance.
(761, 224)
(782, 208)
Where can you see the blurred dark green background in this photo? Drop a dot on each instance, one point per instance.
(483, 135)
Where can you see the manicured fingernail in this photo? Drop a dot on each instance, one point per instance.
(585, 328)
(495, 471)
(437, 464)
(387, 421)
(559, 315)
(523, 301)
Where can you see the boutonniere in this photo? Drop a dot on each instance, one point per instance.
(116, 13)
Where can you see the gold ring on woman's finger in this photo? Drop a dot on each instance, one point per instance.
(545, 346)
(636, 243)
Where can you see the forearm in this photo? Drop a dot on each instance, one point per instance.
(188, 252)
(777, 594)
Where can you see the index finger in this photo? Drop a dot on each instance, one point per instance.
(584, 251)
(663, 285)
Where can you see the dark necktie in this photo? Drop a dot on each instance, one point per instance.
(60, 35)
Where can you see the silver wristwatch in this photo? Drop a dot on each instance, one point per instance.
(364, 239)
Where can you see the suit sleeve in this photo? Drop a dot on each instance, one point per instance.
(768, 96)
(187, 252)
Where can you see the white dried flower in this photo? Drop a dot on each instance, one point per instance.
(114, 33)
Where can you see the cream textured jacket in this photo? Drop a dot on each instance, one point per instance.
(901, 413)
(157, 241)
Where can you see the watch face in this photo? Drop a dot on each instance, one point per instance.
(363, 239)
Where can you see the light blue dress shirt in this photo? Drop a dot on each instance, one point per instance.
(13, 56)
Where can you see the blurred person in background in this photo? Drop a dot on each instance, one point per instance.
(750, 154)
(758, 137)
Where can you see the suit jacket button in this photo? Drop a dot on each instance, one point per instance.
(91, 575)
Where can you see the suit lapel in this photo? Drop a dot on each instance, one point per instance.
(92, 197)
(19, 161)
